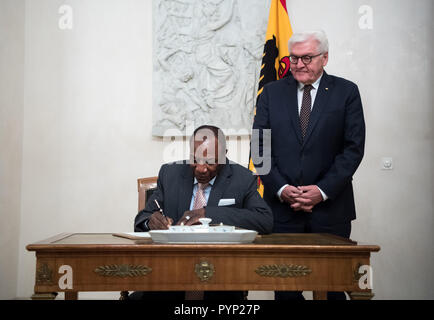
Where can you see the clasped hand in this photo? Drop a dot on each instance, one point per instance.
(302, 198)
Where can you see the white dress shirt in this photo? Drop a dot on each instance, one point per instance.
(206, 191)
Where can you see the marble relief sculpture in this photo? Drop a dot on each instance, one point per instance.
(207, 56)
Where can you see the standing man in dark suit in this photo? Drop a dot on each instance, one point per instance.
(317, 143)
(209, 186)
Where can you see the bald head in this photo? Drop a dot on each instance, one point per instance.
(207, 152)
(209, 140)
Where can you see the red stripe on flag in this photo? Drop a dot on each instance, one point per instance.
(283, 2)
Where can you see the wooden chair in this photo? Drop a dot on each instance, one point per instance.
(145, 187)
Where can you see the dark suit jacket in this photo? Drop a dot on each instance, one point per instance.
(175, 189)
(329, 155)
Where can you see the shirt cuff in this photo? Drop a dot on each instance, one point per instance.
(324, 196)
(279, 193)
(145, 223)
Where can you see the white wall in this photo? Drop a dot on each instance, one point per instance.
(84, 120)
(11, 121)
(87, 120)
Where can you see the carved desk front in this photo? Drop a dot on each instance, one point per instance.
(77, 262)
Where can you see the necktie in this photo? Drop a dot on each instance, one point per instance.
(199, 198)
(306, 105)
(199, 203)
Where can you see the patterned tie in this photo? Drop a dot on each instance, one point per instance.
(199, 203)
(306, 105)
(199, 198)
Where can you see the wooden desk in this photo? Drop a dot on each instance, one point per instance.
(103, 262)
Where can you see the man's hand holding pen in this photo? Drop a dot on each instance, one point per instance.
(159, 222)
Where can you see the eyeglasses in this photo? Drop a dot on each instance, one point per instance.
(305, 59)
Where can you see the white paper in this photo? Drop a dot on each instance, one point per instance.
(139, 234)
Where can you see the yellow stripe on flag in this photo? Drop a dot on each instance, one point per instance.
(275, 59)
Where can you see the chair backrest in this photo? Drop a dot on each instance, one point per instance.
(145, 187)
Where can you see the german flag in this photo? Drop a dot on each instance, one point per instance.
(275, 60)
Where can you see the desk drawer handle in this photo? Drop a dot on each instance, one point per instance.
(204, 270)
(123, 270)
(283, 270)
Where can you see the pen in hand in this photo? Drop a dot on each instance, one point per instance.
(162, 213)
(159, 208)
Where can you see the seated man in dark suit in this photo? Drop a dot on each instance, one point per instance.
(189, 191)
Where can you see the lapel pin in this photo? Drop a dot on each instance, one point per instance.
(326, 88)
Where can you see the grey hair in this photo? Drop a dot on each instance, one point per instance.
(318, 35)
